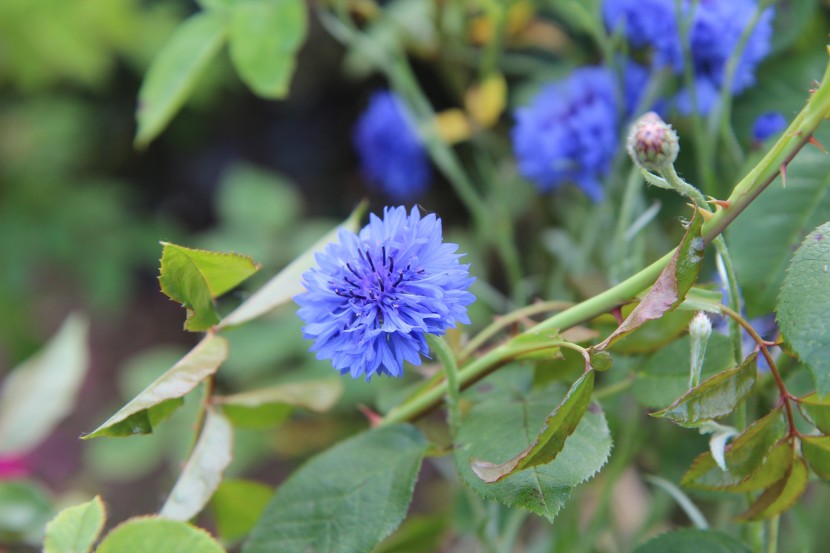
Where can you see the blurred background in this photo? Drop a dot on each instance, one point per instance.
(82, 212)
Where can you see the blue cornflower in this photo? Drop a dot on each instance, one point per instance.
(375, 295)
(714, 33)
(767, 125)
(569, 132)
(391, 153)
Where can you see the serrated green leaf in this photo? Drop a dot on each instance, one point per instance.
(716, 396)
(504, 419)
(670, 288)
(558, 426)
(816, 450)
(780, 496)
(267, 406)
(265, 36)
(195, 277)
(816, 411)
(237, 505)
(164, 395)
(175, 72)
(345, 499)
(804, 303)
(156, 534)
(693, 541)
(38, 394)
(665, 375)
(761, 252)
(75, 529)
(744, 456)
(203, 471)
(287, 283)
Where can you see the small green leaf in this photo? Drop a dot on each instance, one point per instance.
(701, 299)
(175, 72)
(743, 457)
(693, 541)
(816, 450)
(780, 496)
(671, 286)
(75, 529)
(162, 397)
(267, 406)
(38, 394)
(156, 534)
(195, 277)
(237, 505)
(665, 375)
(716, 396)
(203, 470)
(804, 303)
(775, 466)
(505, 417)
(345, 499)
(287, 283)
(549, 442)
(816, 411)
(265, 36)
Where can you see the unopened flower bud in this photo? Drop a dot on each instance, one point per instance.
(652, 143)
(699, 331)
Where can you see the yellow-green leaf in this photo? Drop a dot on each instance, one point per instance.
(265, 36)
(175, 72)
(716, 396)
(157, 535)
(781, 495)
(203, 471)
(195, 277)
(817, 411)
(161, 397)
(743, 457)
(816, 450)
(75, 529)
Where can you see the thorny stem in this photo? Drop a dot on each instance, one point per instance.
(756, 181)
(786, 397)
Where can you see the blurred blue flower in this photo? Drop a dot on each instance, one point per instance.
(375, 295)
(714, 33)
(767, 125)
(569, 132)
(392, 156)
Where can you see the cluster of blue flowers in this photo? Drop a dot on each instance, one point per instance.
(391, 153)
(715, 28)
(570, 130)
(375, 295)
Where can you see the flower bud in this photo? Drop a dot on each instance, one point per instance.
(699, 331)
(652, 143)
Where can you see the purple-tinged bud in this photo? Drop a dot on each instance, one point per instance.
(652, 143)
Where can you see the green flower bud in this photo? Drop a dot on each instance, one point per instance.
(652, 143)
(699, 331)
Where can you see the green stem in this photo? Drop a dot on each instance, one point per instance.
(442, 351)
(755, 182)
(497, 11)
(772, 542)
(613, 389)
(505, 321)
(633, 187)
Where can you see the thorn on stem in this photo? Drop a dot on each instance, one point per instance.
(373, 418)
(617, 313)
(783, 171)
(817, 144)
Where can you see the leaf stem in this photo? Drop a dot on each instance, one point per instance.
(786, 397)
(445, 356)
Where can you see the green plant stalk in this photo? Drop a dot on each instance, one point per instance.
(733, 290)
(747, 189)
(445, 356)
(633, 187)
(504, 321)
(772, 542)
